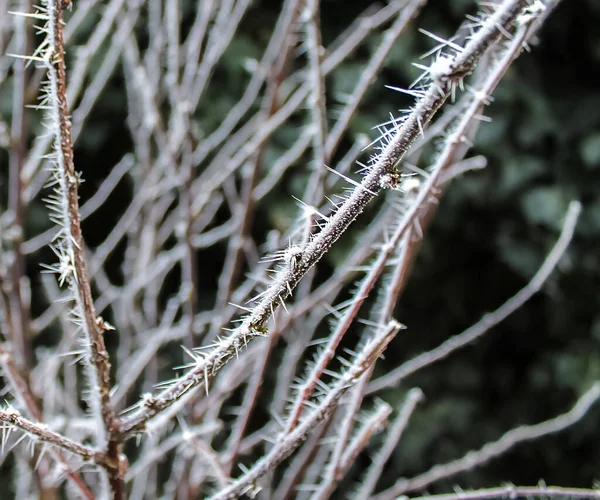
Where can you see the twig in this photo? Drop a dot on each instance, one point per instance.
(373, 424)
(397, 428)
(513, 492)
(494, 449)
(455, 68)
(23, 393)
(70, 248)
(20, 330)
(490, 320)
(288, 442)
(12, 418)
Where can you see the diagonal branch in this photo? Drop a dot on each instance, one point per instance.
(490, 320)
(288, 442)
(494, 449)
(443, 81)
(12, 418)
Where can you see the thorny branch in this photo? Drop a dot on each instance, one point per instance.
(196, 182)
(456, 68)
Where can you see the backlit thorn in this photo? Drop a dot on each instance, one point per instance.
(40, 49)
(206, 380)
(349, 180)
(42, 454)
(212, 346)
(394, 122)
(344, 362)
(290, 256)
(339, 308)
(420, 125)
(386, 135)
(364, 169)
(335, 204)
(257, 297)
(29, 59)
(448, 43)
(341, 197)
(283, 305)
(434, 51)
(350, 352)
(33, 15)
(332, 310)
(502, 30)
(309, 211)
(417, 94)
(323, 385)
(478, 21)
(482, 118)
(273, 315)
(480, 95)
(195, 357)
(246, 309)
(41, 30)
(370, 323)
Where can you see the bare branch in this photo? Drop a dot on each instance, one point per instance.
(494, 449)
(12, 418)
(455, 68)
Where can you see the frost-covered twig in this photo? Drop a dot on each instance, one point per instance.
(13, 419)
(513, 492)
(490, 320)
(396, 429)
(69, 246)
(494, 449)
(65, 204)
(20, 334)
(288, 442)
(446, 73)
(22, 392)
(336, 471)
(346, 318)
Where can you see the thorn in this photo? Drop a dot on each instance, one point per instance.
(448, 43)
(33, 15)
(351, 181)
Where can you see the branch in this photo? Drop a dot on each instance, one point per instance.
(288, 442)
(12, 418)
(373, 474)
(443, 81)
(494, 449)
(337, 469)
(70, 247)
(513, 492)
(27, 399)
(66, 205)
(490, 320)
